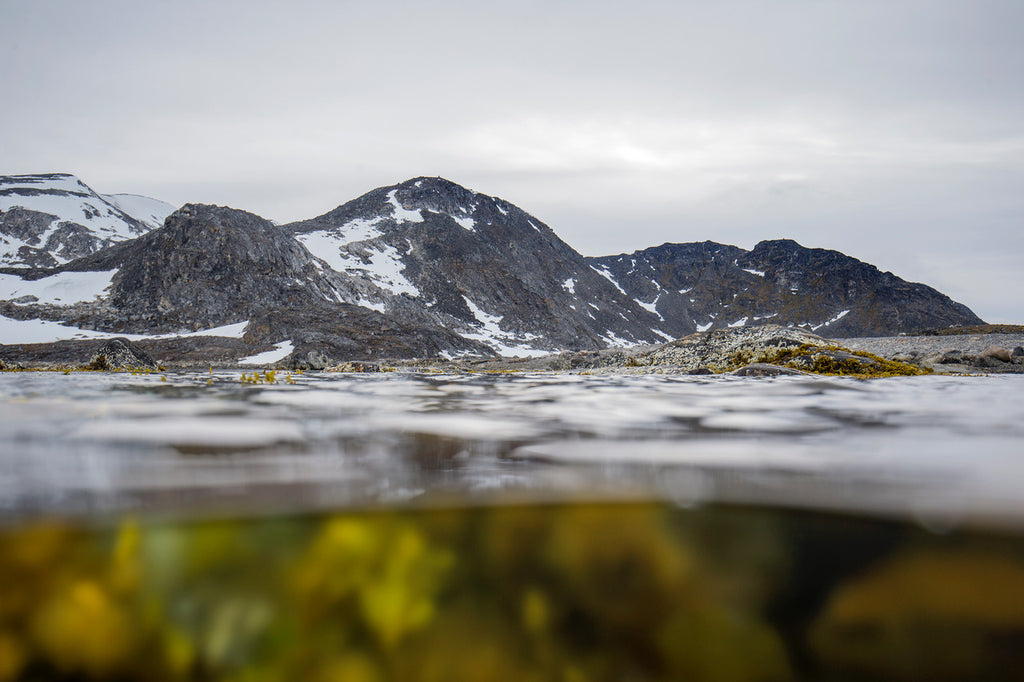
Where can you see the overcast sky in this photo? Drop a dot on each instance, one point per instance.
(890, 130)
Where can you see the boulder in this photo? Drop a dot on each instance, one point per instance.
(121, 354)
(314, 360)
(996, 352)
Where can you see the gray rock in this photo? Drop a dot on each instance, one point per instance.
(1018, 352)
(121, 354)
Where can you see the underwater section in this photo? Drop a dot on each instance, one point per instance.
(577, 591)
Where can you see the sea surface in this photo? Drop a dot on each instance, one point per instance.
(398, 526)
(94, 442)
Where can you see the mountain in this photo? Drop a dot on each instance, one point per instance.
(50, 219)
(705, 285)
(478, 265)
(423, 268)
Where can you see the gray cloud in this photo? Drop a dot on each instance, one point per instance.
(889, 130)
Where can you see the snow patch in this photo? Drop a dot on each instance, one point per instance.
(153, 212)
(379, 307)
(608, 276)
(838, 317)
(652, 306)
(704, 327)
(505, 343)
(465, 223)
(402, 214)
(44, 331)
(279, 352)
(663, 335)
(615, 341)
(64, 288)
(324, 245)
(344, 254)
(759, 273)
(387, 268)
(569, 285)
(742, 322)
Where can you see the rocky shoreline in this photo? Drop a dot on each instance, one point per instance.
(948, 354)
(764, 350)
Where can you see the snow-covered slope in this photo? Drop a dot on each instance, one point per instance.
(147, 210)
(50, 219)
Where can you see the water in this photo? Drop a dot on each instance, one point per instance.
(942, 447)
(192, 526)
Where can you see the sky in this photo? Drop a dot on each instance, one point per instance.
(891, 130)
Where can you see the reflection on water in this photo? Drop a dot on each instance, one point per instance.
(487, 527)
(541, 592)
